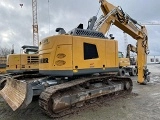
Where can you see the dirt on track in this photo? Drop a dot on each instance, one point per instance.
(142, 104)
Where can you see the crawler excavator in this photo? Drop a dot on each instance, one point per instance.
(80, 66)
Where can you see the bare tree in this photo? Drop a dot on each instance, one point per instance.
(4, 51)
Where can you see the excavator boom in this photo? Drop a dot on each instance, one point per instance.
(116, 16)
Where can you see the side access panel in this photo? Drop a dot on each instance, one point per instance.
(112, 53)
(88, 55)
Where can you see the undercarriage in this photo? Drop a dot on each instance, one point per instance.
(61, 96)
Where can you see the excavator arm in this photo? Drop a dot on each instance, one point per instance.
(131, 48)
(116, 16)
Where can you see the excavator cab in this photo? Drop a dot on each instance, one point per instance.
(120, 54)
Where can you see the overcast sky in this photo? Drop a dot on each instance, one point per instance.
(16, 22)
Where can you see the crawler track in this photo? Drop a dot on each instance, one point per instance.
(64, 99)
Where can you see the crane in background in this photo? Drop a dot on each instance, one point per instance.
(35, 23)
(125, 35)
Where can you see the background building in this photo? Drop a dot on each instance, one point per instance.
(153, 59)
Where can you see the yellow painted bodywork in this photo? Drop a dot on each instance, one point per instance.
(71, 50)
(22, 62)
(123, 62)
(106, 49)
(50, 50)
(2, 70)
(3, 60)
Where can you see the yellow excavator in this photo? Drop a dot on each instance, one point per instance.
(3, 60)
(80, 66)
(127, 64)
(26, 62)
